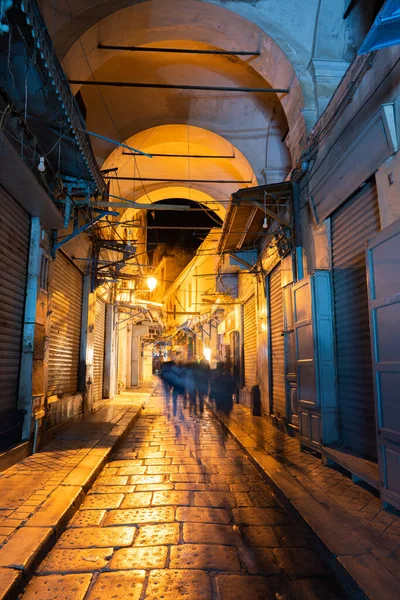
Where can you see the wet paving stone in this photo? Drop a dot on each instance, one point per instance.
(97, 537)
(75, 561)
(112, 480)
(260, 516)
(147, 479)
(137, 500)
(206, 533)
(133, 470)
(260, 561)
(202, 515)
(300, 562)
(99, 501)
(214, 499)
(172, 584)
(203, 556)
(171, 498)
(157, 535)
(154, 487)
(162, 469)
(156, 514)
(112, 489)
(180, 512)
(260, 537)
(87, 518)
(232, 587)
(153, 557)
(119, 585)
(62, 587)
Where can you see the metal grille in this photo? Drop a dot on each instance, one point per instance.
(277, 343)
(250, 342)
(99, 344)
(14, 252)
(352, 226)
(65, 333)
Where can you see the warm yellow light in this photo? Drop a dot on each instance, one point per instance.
(207, 354)
(151, 283)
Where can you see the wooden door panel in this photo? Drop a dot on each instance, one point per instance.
(383, 263)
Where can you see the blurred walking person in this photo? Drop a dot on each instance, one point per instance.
(222, 388)
(202, 379)
(178, 376)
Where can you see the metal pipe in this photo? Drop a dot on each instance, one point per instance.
(173, 227)
(107, 139)
(119, 178)
(178, 50)
(170, 86)
(177, 156)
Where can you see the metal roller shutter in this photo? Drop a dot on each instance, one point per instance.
(99, 345)
(250, 342)
(14, 254)
(353, 224)
(65, 333)
(277, 343)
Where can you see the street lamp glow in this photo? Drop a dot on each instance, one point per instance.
(207, 354)
(151, 283)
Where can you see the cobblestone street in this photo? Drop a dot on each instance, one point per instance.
(180, 512)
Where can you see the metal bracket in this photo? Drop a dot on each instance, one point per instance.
(204, 331)
(79, 230)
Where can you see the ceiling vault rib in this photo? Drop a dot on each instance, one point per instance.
(178, 50)
(170, 86)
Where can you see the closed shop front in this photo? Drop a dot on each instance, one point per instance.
(65, 332)
(99, 347)
(14, 251)
(277, 363)
(353, 224)
(250, 342)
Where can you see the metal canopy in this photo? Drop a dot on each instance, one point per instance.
(249, 208)
(385, 30)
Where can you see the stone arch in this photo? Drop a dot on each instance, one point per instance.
(191, 23)
(172, 139)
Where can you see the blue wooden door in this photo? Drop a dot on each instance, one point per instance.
(383, 264)
(309, 413)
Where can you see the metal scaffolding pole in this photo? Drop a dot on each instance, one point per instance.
(213, 156)
(178, 50)
(119, 178)
(170, 86)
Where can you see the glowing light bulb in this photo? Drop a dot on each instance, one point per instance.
(41, 165)
(265, 224)
(151, 283)
(207, 354)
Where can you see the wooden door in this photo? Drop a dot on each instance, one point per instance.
(383, 268)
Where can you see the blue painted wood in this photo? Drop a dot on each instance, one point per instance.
(383, 268)
(325, 355)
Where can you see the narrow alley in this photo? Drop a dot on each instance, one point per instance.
(180, 512)
(200, 198)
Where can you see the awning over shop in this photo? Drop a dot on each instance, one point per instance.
(198, 321)
(252, 212)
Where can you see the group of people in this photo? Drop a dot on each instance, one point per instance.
(194, 382)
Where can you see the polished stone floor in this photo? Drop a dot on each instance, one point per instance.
(180, 512)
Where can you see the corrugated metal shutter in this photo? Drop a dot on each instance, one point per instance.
(65, 333)
(277, 342)
(99, 345)
(250, 342)
(352, 225)
(14, 254)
